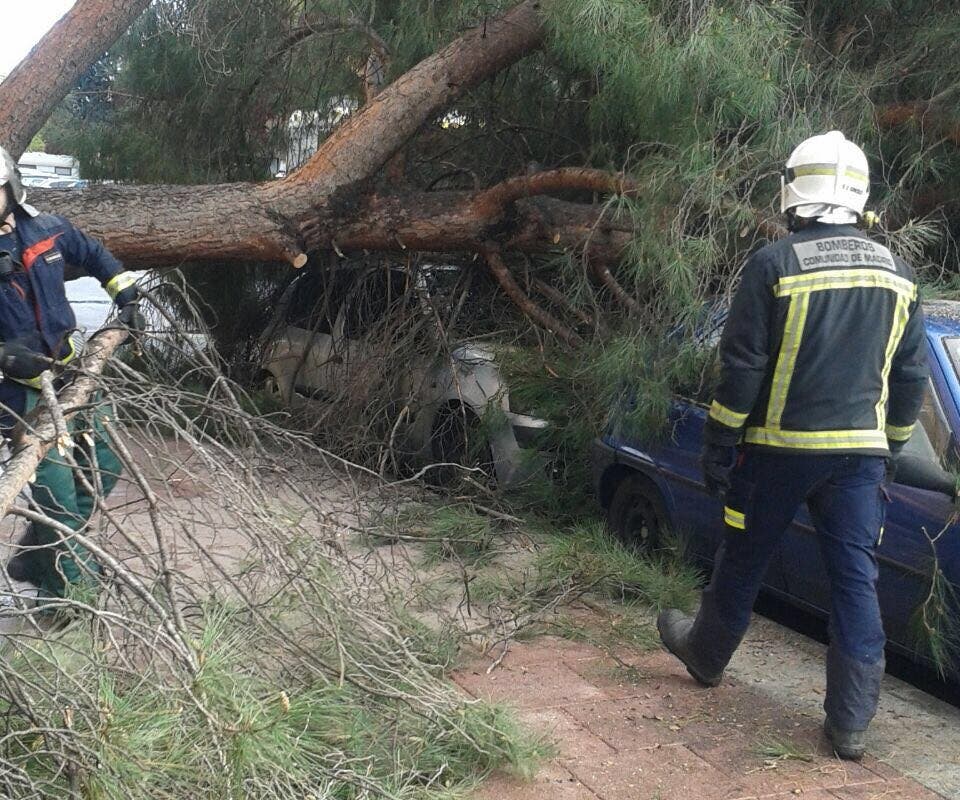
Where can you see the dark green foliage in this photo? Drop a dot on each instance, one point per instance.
(244, 728)
(628, 380)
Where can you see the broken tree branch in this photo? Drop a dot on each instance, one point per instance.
(533, 311)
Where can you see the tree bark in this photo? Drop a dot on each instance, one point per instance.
(157, 225)
(31, 92)
(364, 142)
(171, 224)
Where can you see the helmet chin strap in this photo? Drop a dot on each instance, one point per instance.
(795, 222)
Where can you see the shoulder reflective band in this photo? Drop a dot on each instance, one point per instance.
(824, 169)
(734, 518)
(844, 279)
(901, 316)
(899, 433)
(726, 416)
(118, 283)
(817, 440)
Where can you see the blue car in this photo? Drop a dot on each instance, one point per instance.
(649, 488)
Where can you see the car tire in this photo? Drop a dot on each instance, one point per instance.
(637, 515)
(458, 438)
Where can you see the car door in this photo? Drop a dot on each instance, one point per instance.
(905, 552)
(306, 349)
(697, 516)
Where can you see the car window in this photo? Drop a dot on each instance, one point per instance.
(316, 299)
(931, 437)
(371, 298)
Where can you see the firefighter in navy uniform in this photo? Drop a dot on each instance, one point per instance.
(823, 370)
(35, 326)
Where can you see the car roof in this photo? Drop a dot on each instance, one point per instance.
(942, 317)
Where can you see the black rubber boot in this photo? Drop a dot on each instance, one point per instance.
(29, 565)
(704, 644)
(853, 693)
(850, 745)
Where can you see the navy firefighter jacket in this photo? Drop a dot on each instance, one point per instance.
(824, 349)
(33, 303)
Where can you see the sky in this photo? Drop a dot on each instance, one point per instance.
(22, 24)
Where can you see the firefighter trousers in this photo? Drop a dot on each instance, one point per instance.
(47, 558)
(845, 496)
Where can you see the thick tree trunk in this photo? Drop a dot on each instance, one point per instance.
(31, 92)
(281, 219)
(156, 225)
(362, 144)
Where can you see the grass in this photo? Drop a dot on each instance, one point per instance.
(936, 625)
(450, 533)
(251, 724)
(590, 557)
(608, 632)
(777, 750)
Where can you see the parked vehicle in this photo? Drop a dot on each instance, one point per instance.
(648, 488)
(449, 408)
(42, 182)
(48, 165)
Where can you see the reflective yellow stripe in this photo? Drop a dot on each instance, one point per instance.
(899, 433)
(787, 360)
(844, 279)
(829, 169)
(118, 283)
(901, 316)
(34, 383)
(735, 519)
(726, 416)
(817, 440)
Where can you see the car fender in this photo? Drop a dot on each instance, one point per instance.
(469, 376)
(614, 462)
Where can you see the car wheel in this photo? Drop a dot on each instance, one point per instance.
(636, 515)
(458, 438)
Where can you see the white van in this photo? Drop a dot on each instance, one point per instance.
(39, 168)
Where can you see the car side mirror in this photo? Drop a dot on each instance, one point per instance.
(925, 473)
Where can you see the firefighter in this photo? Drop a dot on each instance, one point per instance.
(823, 369)
(36, 323)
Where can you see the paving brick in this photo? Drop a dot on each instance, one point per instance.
(570, 736)
(900, 789)
(553, 782)
(628, 724)
(549, 648)
(536, 686)
(667, 773)
(756, 775)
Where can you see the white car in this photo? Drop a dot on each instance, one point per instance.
(328, 338)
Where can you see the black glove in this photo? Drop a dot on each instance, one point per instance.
(17, 361)
(131, 318)
(716, 461)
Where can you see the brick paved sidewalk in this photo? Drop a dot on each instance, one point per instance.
(648, 732)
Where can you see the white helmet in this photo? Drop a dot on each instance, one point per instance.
(825, 171)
